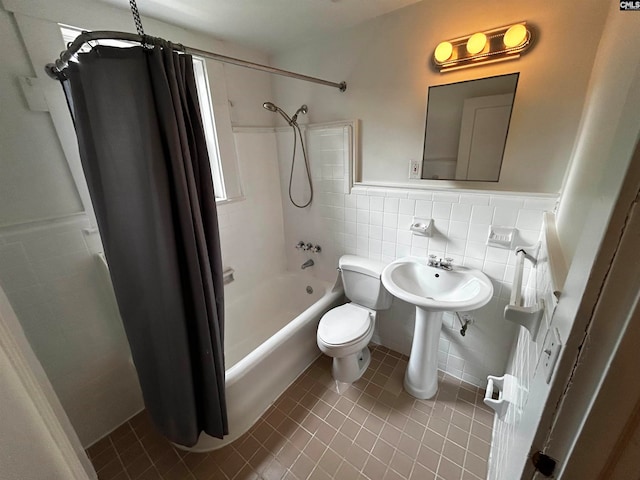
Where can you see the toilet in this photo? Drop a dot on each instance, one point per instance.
(345, 331)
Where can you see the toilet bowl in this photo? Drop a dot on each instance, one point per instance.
(345, 331)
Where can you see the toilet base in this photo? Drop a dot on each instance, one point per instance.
(350, 368)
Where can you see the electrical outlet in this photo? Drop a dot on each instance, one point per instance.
(550, 352)
(414, 169)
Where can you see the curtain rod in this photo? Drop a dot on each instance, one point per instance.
(54, 70)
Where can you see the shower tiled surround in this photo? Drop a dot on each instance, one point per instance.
(372, 431)
(251, 228)
(65, 304)
(374, 222)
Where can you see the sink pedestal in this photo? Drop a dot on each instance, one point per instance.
(433, 291)
(421, 378)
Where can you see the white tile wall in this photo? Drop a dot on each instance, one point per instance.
(507, 453)
(374, 222)
(66, 307)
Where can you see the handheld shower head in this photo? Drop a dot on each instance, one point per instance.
(272, 107)
(269, 106)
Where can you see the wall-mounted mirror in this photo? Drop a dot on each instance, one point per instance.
(466, 129)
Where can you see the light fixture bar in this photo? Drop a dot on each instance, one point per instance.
(480, 48)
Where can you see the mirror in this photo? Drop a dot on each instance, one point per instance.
(466, 129)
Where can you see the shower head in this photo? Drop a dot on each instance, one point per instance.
(274, 108)
(270, 106)
(303, 109)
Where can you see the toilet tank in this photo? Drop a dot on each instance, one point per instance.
(362, 284)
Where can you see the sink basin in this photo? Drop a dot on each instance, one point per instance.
(433, 291)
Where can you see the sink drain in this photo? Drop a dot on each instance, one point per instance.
(309, 289)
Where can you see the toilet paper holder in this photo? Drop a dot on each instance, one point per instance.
(505, 388)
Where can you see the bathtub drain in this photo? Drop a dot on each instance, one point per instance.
(309, 289)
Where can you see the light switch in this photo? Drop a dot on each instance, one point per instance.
(551, 353)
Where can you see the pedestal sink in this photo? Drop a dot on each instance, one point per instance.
(433, 291)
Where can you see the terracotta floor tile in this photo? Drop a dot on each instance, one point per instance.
(99, 447)
(373, 430)
(110, 470)
(107, 454)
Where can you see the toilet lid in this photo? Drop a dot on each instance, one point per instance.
(344, 324)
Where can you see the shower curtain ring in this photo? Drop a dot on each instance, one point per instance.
(147, 41)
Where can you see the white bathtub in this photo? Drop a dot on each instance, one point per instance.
(270, 339)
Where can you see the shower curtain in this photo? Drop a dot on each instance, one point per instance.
(143, 152)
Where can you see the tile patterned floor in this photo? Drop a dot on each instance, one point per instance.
(373, 430)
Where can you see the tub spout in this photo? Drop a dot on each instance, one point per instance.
(307, 264)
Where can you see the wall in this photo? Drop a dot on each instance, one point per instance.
(31, 414)
(509, 447)
(589, 228)
(609, 130)
(56, 194)
(374, 222)
(596, 202)
(386, 65)
(251, 230)
(48, 245)
(63, 300)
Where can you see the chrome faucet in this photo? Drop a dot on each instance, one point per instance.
(307, 264)
(446, 264)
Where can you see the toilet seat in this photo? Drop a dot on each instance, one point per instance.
(345, 325)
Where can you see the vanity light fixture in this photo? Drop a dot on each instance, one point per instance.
(515, 36)
(476, 43)
(480, 48)
(443, 51)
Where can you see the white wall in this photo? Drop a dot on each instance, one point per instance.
(386, 65)
(610, 129)
(41, 164)
(67, 310)
(252, 230)
(374, 222)
(608, 139)
(48, 268)
(32, 416)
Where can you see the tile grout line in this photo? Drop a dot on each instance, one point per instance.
(387, 409)
(124, 468)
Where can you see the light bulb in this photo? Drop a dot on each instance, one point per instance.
(515, 36)
(476, 43)
(443, 51)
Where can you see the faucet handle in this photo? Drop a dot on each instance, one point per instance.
(448, 261)
(300, 245)
(432, 260)
(316, 249)
(308, 246)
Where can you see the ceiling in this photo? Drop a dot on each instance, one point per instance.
(267, 25)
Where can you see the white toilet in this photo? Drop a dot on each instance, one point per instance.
(344, 332)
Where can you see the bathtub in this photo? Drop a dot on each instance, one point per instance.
(270, 339)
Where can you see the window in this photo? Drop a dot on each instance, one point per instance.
(204, 97)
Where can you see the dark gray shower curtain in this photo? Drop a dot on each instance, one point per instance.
(142, 146)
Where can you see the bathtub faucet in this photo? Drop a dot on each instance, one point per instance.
(307, 264)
